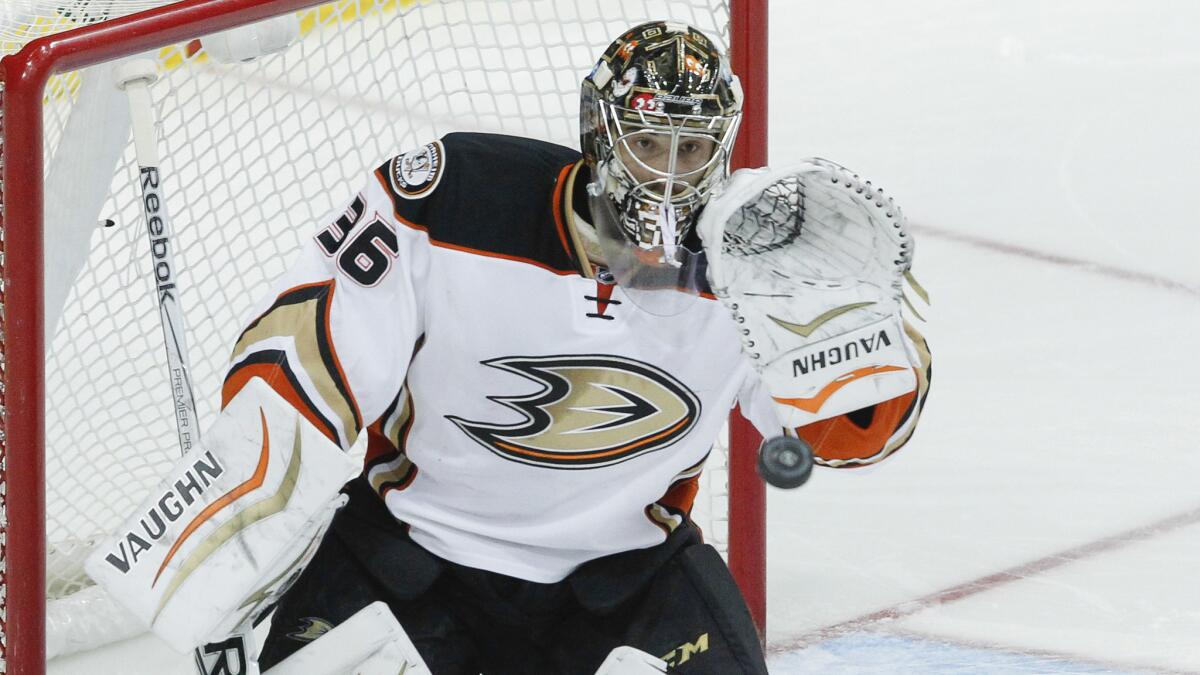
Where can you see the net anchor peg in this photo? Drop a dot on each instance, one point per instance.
(135, 70)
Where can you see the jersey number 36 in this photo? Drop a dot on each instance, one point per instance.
(365, 257)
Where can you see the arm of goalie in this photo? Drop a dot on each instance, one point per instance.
(230, 526)
(810, 260)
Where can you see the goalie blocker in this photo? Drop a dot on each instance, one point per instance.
(811, 261)
(229, 526)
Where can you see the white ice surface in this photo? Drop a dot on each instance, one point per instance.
(1061, 432)
(1060, 437)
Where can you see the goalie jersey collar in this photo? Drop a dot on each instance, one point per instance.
(449, 189)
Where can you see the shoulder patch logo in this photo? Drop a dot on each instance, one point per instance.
(592, 411)
(415, 174)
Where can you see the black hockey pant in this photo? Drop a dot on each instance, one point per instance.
(676, 601)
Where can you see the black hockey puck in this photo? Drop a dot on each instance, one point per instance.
(785, 462)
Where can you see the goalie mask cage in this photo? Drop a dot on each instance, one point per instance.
(254, 154)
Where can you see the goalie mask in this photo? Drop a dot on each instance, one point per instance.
(659, 114)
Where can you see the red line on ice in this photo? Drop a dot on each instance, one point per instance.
(1061, 260)
(992, 581)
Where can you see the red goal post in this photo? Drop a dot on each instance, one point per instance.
(747, 556)
(23, 344)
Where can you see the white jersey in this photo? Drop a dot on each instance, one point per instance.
(523, 417)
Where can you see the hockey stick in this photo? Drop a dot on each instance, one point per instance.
(135, 77)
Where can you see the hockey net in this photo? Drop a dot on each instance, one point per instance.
(254, 153)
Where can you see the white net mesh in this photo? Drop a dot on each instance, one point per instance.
(23, 20)
(253, 154)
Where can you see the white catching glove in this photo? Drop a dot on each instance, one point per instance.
(810, 260)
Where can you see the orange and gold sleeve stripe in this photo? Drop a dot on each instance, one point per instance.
(301, 316)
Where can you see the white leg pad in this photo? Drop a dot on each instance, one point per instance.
(631, 661)
(229, 526)
(369, 643)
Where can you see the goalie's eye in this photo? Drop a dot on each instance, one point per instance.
(695, 154)
(649, 146)
(654, 151)
(692, 147)
(646, 146)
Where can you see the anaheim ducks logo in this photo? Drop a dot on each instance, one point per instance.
(592, 411)
(310, 629)
(417, 173)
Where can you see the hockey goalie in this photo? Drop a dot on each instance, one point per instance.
(539, 347)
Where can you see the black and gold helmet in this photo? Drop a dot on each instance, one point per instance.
(659, 115)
